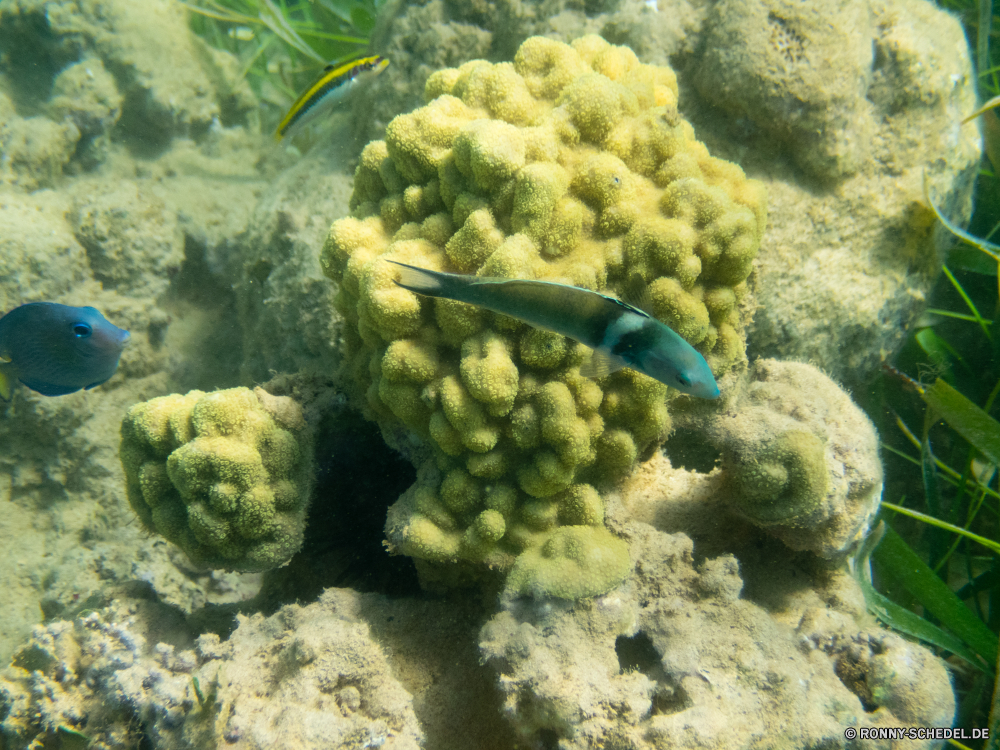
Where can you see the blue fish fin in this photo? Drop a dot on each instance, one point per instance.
(5, 385)
(600, 364)
(50, 389)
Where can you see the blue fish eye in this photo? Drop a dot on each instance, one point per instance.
(81, 330)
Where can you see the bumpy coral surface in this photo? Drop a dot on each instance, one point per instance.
(572, 165)
(798, 457)
(225, 476)
(128, 676)
(681, 657)
(106, 679)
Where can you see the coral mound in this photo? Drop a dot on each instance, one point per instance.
(570, 164)
(797, 456)
(225, 476)
(680, 657)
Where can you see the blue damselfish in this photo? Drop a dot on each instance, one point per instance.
(57, 349)
(620, 335)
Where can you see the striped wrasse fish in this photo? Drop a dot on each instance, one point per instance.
(620, 335)
(328, 90)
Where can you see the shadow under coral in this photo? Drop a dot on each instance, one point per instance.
(357, 478)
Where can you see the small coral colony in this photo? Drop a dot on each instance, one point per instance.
(537, 264)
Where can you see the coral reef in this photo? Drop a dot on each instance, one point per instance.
(679, 657)
(285, 304)
(824, 122)
(119, 176)
(330, 683)
(569, 165)
(134, 242)
(798, 457)
(225, 476)
(348, 670)
(94, 66)
(131, 186)
(423, 37)
(842, 159)
(85, 94)
(106, 679)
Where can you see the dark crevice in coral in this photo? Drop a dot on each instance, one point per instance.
(94, 259)
(194, 281)
(854, 676)
(145, 743)
(89, 153)
(790, 573)
(636, 653)
(689, 450)
(670, 699)
(232, 109)
(358, 478)
(31, 58)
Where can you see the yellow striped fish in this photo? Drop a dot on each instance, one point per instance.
(328, 90)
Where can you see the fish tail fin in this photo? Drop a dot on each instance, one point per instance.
(5, 384)
(422, 281)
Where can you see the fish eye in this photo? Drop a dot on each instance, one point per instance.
(81, 330)
(684, 380)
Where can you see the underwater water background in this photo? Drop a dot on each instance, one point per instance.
(310, 509)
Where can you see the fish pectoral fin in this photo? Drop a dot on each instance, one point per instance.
(600, 364)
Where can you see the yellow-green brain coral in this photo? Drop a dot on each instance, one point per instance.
(225, 476)
(570, 164)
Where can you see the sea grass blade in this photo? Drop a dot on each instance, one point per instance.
(967, 419)
(911, 624)
(968, 300)
(897, 559)
(988, 543)
(993, 251)
(273, 18)
(932, 496)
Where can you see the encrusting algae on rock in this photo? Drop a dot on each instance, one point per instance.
(571, 165)
(225, 476)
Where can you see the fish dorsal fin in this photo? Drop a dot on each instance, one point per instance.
(600, 364)
(636, 294)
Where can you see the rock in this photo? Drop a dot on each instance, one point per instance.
(797, 456)
(850, 253)
(677, 657)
